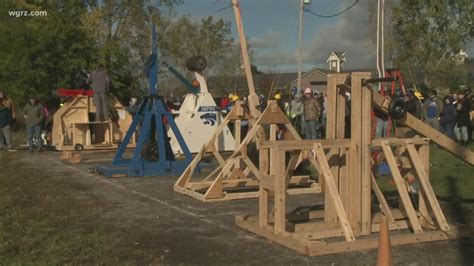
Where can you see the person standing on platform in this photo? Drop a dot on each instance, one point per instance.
(99, 80)
(312, 111)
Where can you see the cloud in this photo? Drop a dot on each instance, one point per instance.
(270, 40)
(348, 33)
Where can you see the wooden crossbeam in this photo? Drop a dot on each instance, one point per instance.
(402, 189)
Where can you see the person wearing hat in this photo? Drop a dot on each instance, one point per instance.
(5, 121)
(34, 116)
(432, 109)
(311, 113)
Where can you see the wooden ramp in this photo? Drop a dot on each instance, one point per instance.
(381, 103)
(237, 176)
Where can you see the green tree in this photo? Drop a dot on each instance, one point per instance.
(426, 36)
(41, 54)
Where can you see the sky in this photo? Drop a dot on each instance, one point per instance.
(272, 29)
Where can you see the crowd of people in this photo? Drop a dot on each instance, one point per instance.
(305, 109)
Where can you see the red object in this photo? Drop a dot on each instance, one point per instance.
(224, 103)
(394, 73)
(74, 92)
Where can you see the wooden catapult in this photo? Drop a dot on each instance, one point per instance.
(73, 128)
(237, 176)
(350, 216)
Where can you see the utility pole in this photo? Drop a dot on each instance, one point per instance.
(300, 50)
(253, 98)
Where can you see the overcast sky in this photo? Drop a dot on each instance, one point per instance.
(272, 27)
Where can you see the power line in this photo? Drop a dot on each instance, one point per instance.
(334, 15)
(221, 9)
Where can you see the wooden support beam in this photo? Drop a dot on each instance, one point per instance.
(366, 164)
(425, 183)
(427, 221)
(294, 145)
(402, 189)
(399, 141)
(381, 199)
(280, 192)
(333, 192)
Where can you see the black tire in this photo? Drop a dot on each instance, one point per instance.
(78, 147)
(150, 152)
(196, 63)
(396, 109)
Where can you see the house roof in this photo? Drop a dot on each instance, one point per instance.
(339, 55)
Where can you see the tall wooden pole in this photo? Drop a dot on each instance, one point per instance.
(253, 98)
(300, 50)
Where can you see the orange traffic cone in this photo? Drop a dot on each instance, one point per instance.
(385, 248)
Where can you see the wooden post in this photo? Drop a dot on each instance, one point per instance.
(331, 131)
(263, 192)
(366, 163)
(280, 191)
(253, 98)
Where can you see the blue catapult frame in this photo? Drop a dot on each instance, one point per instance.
(153, 155)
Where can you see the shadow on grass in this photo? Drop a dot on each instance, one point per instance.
(466, 245)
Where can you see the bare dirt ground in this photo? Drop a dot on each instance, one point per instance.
(143, 221)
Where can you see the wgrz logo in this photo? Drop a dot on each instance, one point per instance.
(209, 119)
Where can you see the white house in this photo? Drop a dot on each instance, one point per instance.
(461, 57)
(336, 61)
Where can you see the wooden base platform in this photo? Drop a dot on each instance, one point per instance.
(234, 189)
(311, 244)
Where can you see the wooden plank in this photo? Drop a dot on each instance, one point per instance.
(401, 186)
(290, 145)
(355, 182)
(332, 191)
(381, 199)
(263, 192)
(427, 187)
(424, 152)
(215, 190)
(316, 226)
(399, 141)
(280, 192)
(366, 164)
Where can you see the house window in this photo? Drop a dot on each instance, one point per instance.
(333, 64)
